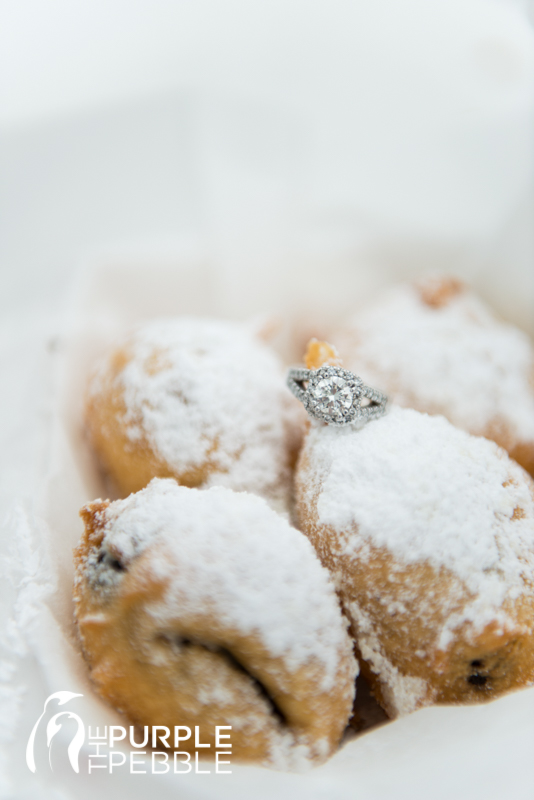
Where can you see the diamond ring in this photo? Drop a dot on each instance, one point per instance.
(335, 396)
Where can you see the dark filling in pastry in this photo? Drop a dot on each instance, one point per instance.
(476, 678)
(182, 642)
(109, 561)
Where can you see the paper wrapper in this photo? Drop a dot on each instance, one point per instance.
(476, 752)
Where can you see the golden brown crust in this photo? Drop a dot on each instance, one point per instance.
(320, 353)
(523, 453)
(131, 464)
(439, 290)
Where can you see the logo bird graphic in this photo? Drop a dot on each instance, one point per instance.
(52, 728)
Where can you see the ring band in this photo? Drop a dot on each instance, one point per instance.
(334, 395)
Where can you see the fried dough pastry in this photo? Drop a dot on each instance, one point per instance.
(436, 347)
(198, 400)
(205, 608)
(428, 533)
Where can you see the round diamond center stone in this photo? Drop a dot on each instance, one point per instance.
(333, 396)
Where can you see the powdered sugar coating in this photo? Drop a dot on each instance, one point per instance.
(202, 391)
(428, 492)
(229, 554)
(456, 359)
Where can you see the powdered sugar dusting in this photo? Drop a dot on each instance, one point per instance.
(428, 492)
(456, 359)
(294, 753)
(209, 391)
(230, 554)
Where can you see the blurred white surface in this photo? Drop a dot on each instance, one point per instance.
(395, 135)
(61, 56)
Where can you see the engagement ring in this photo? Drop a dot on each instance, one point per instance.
(335, 396)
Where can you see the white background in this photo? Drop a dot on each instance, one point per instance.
(385, 137)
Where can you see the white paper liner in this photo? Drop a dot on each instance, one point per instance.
(476, 752)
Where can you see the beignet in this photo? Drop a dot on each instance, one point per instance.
(435, 346)
(198, 400)
(205, 608)
(429, 535)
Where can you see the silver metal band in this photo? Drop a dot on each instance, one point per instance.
(334, 395)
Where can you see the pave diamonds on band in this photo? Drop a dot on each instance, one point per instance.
(334, 395)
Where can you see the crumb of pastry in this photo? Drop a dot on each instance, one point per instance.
(318, 354)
